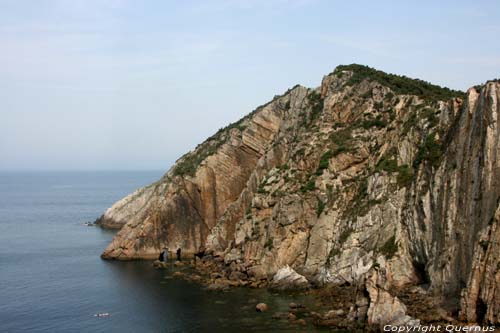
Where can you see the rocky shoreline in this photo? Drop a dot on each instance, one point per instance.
(338, 307)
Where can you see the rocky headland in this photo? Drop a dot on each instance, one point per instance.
(378, 184)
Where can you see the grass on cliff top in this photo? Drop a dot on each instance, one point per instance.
(400, 84)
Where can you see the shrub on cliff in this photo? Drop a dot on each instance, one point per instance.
(400, 84)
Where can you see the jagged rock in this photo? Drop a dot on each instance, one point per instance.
(385, 309)
(366, 170)
(481, 299)
(287, 279)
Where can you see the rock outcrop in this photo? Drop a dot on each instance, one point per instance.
(481, 298)
(385, 308)
(286, 279)
(369, 170)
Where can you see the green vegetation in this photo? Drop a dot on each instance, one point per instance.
(430, 151)
(317, 104)
(335, 251)
(341, 137)
(261, 189)
(410, 123)
(283, 167)
(389, 248)
(388, 162)
(300, 152)
(324, 161)
(379, 123)
(360, 203)
(399, 84)
(339, 150)
(320, 208)
(368, 94)
(430, 115)
(345, 235)
(309, 186)
(405, 175)
(269, 244)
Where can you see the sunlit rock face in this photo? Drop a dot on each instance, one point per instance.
(367, 171)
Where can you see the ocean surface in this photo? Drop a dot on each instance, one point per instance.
(53, 280)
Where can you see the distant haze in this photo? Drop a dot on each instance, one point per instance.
(117, 84)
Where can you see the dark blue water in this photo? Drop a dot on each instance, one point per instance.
(52, 279)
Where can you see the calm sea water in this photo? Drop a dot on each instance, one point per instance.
(52, 279)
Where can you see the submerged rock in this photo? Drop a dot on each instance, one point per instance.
(301, 322)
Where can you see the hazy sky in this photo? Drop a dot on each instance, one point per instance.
(117, 84)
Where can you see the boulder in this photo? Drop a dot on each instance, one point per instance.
(286, 279)
(159, 264)
(301, 322)
(261, 307)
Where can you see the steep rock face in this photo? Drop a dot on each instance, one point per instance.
(368, 170)
(481, 298)
(180, 210)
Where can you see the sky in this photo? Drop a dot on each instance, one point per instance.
(133, 85)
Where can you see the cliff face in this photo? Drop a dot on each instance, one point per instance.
(368, 173)
(182, 208)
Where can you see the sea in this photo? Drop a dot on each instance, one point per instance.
(52, 278)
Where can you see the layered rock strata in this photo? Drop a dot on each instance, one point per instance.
(369, 170)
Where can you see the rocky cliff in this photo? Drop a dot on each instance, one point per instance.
(370, 175)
